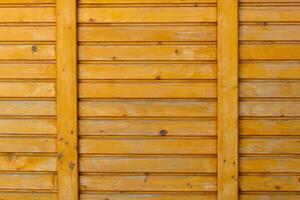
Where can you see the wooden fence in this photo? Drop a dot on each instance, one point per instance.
(149, 100)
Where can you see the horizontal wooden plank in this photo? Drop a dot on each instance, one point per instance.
(28, 126)
(27, 163)
(27, 181)
(269, 32)
(148, 183)
(270, 196)
(10, 70)
(147, 52)
(269, 146)
(266, 51)
(27, 14)
(27, 52)
(147, 90)
(27, 89)
(146, 14)
(269, 127)
(269, 13)
(25, 1)
(27, 196)
(144, 1)
(27, 107)
(27, 33)
(269, 183)
(148, 108)
(270, 108)
(171, 127)
(268, 1)
(270, 164)
(269, 89)
(147, 33)
(45, 145)
(148, 71)
(148, 164)
(269, 70)
(148, 146)
(147, 196)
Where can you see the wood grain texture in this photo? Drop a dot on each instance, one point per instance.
(27, 14)
(269, 13)
(27, 89)
(148, 127)
(227, 100)
(28, 181)
(283, 108)
(148, 71)
(26, 70)
(269, 70)
(269, 183)
(148, 196)
(269, 89)
(26, 1)
(269, 164)
(147, 90)
(28, 196)
(27, 33)
(27, 52)
(269, 146)
(147, 52)
(150, 33)
(24, 163)
(67, 129)
(152, 183)
(285, 32)
(269, 127)
(264, 1)
(265, 51)
(148, 108)
(28, 126)
(146, 14)
(37, 145)
(269, 42)
(144, 164)
(154, 123)
(270, 196)
(28, 108)
(145, 1)
(148, 146)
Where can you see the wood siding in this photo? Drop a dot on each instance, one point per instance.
(28, 117)
(149, 100)
(269, 100)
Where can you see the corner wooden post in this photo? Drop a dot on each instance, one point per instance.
(227, 100)
(67, 99)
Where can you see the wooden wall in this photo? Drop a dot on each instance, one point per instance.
(149, 100)
(269, 106)
(28, 153)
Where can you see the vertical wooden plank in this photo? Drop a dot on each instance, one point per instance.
(67, 100)
(227, 99)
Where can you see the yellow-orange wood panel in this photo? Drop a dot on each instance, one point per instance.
(148, 127)
(269, 104)
(28, 124)
(152, 183)
(171, 100)
(28, 195)
(147, 108)
(153, 71)
(147, 14)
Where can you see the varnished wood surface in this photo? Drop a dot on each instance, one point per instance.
(157, 100)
